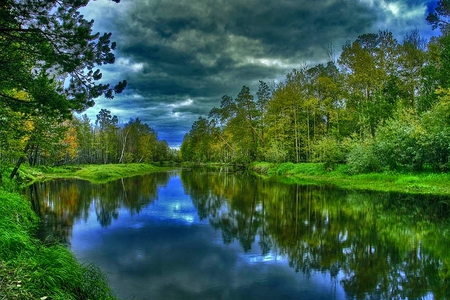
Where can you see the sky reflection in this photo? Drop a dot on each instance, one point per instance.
(167, 252)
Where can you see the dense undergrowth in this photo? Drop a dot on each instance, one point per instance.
(317, 173)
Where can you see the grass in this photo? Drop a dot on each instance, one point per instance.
(93, 173)
(315, 173)
(31, 270)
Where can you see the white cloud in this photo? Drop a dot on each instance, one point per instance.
(127, 65)
(187, 102)
(397, 16)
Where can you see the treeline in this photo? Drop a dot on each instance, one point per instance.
(109, 142)
(381, 105)
(81, 141)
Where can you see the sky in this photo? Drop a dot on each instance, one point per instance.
(180, 57)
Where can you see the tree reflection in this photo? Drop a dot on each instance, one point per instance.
(60, 203)
(380, 246)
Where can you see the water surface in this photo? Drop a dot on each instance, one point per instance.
(210, 235)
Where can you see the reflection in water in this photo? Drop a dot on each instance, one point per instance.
(192, 243)
(61, 202)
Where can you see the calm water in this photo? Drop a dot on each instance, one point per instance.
(211, 235)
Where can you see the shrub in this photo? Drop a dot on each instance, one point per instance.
(401, 142)
(328, 151)
(362, 159)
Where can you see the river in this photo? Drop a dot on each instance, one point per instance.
(200, 234)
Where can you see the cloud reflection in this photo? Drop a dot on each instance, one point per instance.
(170, 254)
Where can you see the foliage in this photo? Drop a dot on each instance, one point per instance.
(328, 150)
(44, 41)
(392, 95)
(361, 157)
(399, 144)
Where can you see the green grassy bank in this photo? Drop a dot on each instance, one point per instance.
(92, 173)
(30, 269)
(312, 173)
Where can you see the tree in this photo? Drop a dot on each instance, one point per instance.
(138, 142)
(85, 138)
(107, 127)
(244, 124)
(42, 128)
(51, 39)
(368, 63)
(440, 18)
(162, 151)
(412, 60)
(264, 94)
(43, 44)
(196, 144)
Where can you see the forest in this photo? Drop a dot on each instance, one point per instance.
(49, 74)
(381, 105)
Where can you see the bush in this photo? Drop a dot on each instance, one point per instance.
(437, 154)
(400, 143)
(362, 159)
(327, 151)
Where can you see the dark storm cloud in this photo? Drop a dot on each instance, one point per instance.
(172, 51)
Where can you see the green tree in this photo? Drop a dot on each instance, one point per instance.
(222, 141)
(162, 151)
(51, 38)
(264, 95)
(440, 18)
(399, 144)
(85, 137)
(196, 144)
(244, 125)
(435, 73)
(107, 136)
(368, 63)
(138, 142)
(437, 139)
(49, 53)
(412, 60)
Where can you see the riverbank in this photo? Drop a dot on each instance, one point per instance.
(30, 269)
(313, 173)
(92, 173)
(33, 269)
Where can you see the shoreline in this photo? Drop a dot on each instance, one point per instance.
(314, 173)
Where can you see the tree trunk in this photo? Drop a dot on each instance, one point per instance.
(123, 146)
(21, 160)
